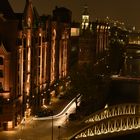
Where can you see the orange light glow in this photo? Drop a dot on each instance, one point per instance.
(5, 95)
(10, 124)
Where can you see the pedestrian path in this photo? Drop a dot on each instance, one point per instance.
(39, 129)
(57, 105)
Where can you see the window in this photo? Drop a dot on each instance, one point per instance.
(19, 42)
(1, 73)
(39, 51)
(39, 41)
(1, 87)
(1, 111)
(1, 60)
(38, 71)
(24, 42)
(38, 61)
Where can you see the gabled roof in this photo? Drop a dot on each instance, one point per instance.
(31, 17)
(3, 47)
(36, 17)
(4, 43)
(19, 17)
(6, 10)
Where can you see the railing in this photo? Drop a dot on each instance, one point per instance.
(76, 99)
(118, 118)
(121, 109)
(110, 125)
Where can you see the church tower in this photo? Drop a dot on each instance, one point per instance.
(85, 18)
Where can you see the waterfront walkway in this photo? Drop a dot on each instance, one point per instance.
(57, 105)
(40, 130)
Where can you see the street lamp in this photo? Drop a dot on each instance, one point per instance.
(59, 131)
(52, 125)
(66, 117)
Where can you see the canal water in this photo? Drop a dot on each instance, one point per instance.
(124, 91)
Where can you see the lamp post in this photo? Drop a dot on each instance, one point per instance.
(52, 125)
(59, 132)
(66, 117)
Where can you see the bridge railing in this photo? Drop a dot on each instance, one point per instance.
(111, 125)
(116, 110)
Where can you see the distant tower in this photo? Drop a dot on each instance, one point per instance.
(85, 18)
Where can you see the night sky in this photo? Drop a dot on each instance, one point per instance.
(127, 11)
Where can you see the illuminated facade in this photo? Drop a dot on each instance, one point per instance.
(32, 64)
(131, 65)
(93, 43)
(63, 53)
(27, 44)
(85, 18)
(102, 44)
(102, 37)
(74, 43)
(134, 37)
(86, 46)
(10, 105)
(53, 56)
(60, 46)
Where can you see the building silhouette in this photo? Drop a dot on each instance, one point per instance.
(93, 41)
(34, 56)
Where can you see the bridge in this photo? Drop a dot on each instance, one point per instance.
(75, 100)
(117, 119)
(126, 78)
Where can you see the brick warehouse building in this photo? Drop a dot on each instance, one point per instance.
(34, 57)
(102, 44)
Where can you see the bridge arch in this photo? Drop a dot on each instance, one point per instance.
(117, 118)
(111, 125)
(116, 110)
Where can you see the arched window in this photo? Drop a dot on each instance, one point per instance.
(1, 60)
